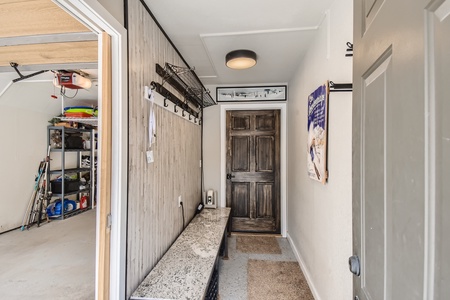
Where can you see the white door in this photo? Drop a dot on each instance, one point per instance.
(401, 143)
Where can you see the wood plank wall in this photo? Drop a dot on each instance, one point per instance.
(154, 218)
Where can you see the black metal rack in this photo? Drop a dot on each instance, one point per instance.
(186, 82)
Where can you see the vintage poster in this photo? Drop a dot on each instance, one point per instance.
(317, 134)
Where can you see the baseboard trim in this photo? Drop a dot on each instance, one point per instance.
(304, 269)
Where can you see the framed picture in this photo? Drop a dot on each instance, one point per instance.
(251, 93)
(317, 134)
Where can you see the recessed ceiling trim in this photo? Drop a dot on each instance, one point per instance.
(68, 66)
(258, 31)
(48, 38)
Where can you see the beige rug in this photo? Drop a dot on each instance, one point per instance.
(257, 244)
(277, 280)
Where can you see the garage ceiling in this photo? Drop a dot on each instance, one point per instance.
(38, 32)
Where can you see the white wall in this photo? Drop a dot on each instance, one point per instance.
(115, 8)
(320, 216)
(25, 108)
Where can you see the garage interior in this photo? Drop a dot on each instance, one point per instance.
(58, 257)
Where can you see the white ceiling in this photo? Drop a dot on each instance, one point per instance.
(204, 31)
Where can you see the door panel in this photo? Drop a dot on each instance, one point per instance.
(253, 162)
(240, 204)
(241, 153)
(439, 28)
(264, 195)
(373, 201)
(264, 155)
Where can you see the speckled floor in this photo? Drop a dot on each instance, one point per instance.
(233, 276)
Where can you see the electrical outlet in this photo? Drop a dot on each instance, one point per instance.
(179, 201)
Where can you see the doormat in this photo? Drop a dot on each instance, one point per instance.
(277, 280)
(257, 244)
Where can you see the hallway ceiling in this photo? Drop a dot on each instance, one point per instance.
(204, 31)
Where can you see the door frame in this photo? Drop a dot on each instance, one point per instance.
(283, 151)
(98, 19)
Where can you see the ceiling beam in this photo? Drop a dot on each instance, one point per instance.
(48, 38)
(54, 53)
(32, 17)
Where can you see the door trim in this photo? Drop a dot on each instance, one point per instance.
(283, 153)
(98, 19)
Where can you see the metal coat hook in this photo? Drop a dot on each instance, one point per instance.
(165, 102)
(183, 113)
(200, 122)
(340, 87)
(349, 49)
(152, 86)
(195, 120)
(175, 108)
(190, 117)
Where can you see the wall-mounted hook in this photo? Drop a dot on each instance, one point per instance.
(200, 122)
(175, 108)
(190, 117)
(349, 50)
(195, 120)
(152, 85)
(183, 113)
(165, 102)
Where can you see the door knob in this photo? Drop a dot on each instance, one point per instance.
(354, 265)
(229, 176)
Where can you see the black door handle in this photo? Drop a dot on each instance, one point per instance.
(229, 176)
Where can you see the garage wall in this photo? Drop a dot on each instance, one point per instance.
(154, 218)
(23, 136)
(320, 216)
(25, 109)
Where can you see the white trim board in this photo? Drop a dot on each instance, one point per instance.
(98, 19)
(283, 151)
(305, 271)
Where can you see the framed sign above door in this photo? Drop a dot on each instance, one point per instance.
(255, 93)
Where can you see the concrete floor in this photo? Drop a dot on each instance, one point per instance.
(233, 272)
(54, 261)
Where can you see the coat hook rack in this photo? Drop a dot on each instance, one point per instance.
(174, 99)
(349, 49)
(340, 87)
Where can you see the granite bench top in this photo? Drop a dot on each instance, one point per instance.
(184, 271)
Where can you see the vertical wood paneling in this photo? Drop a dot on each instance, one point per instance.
(154, 218)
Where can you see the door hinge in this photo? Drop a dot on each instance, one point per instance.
(108, 221)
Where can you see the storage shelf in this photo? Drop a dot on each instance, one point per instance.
(70, 213)
(69, 150)
(186, 82)
(68, 129)
(88, 187)
(85, 190)
(89, 121)
(66, 171)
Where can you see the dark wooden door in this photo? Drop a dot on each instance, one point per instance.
(253, 170)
